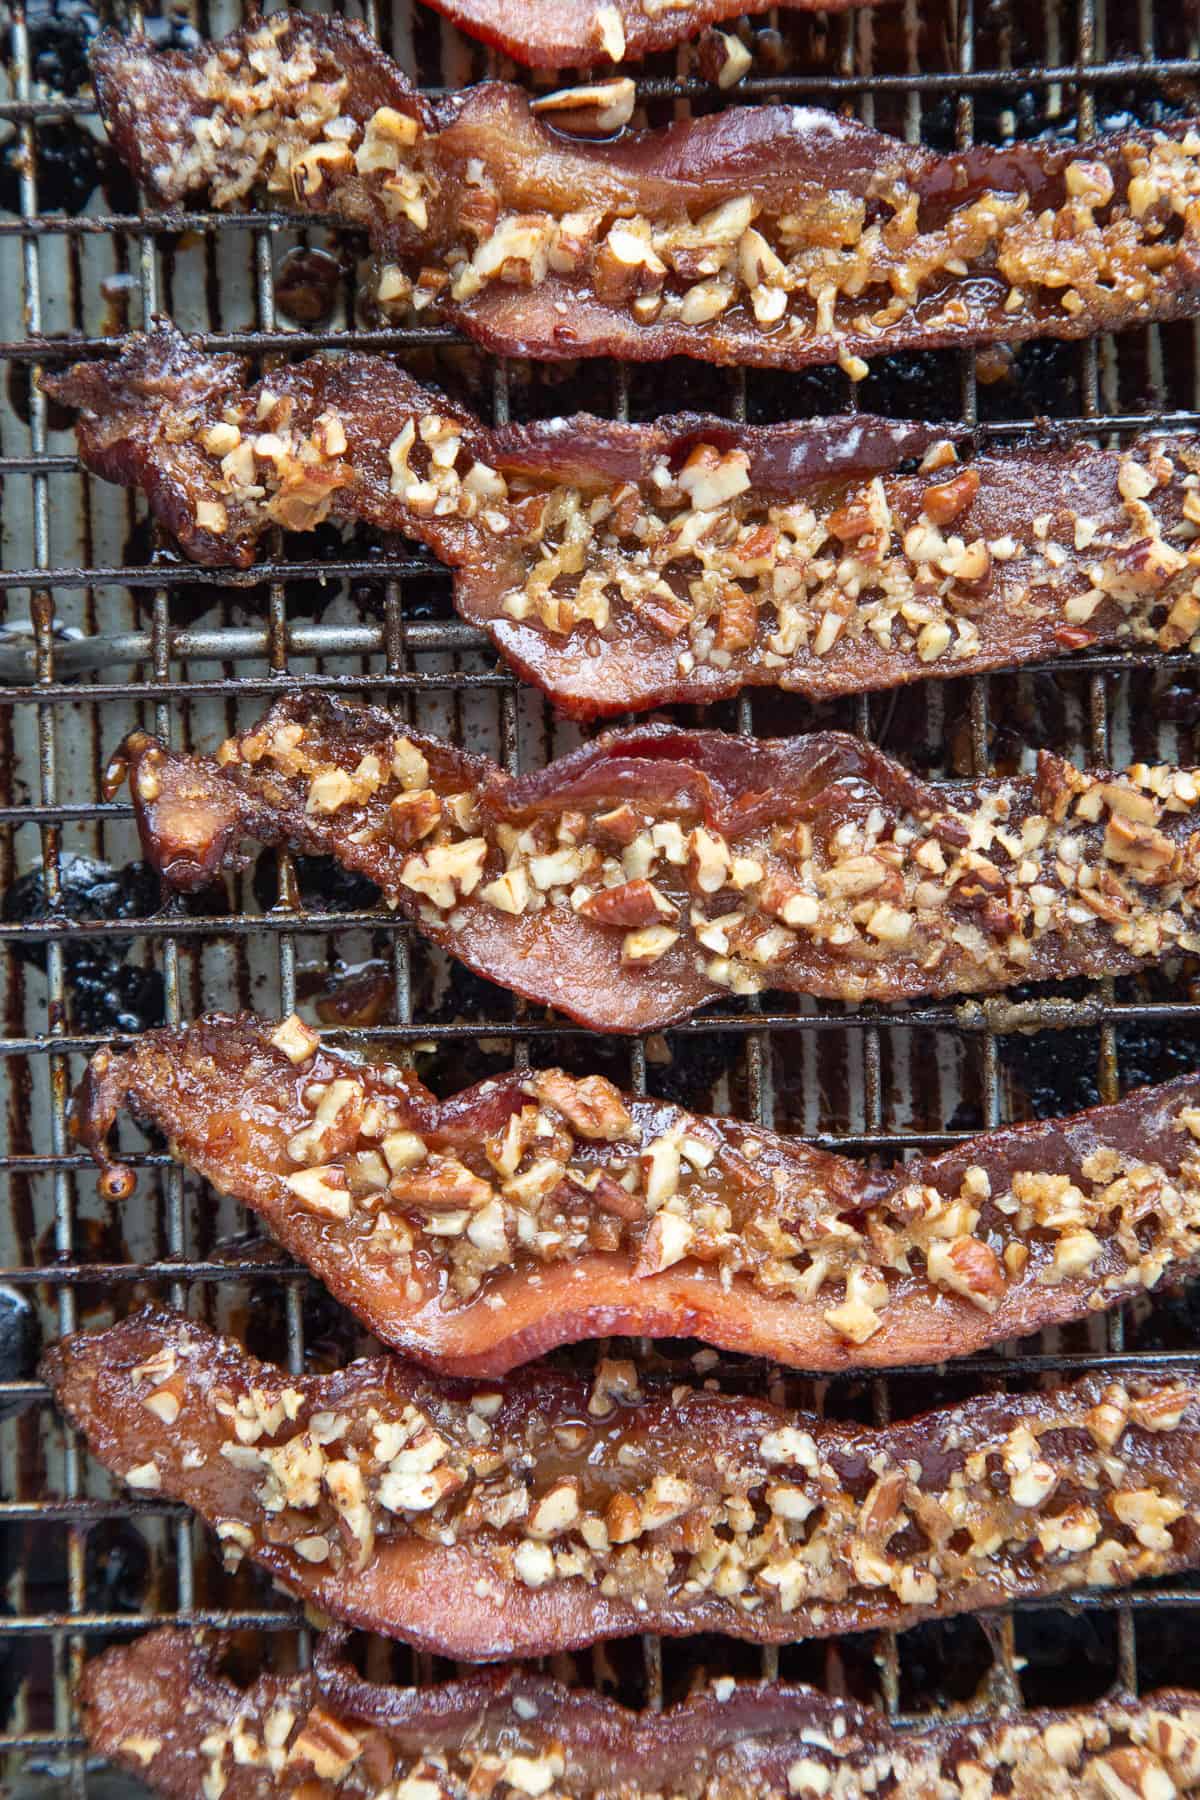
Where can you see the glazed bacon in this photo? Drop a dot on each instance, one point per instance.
(655, 869)
(554, 1511)
(163, 1709)
(559, 34)
(773, 235)
(538, 1209)
(624, 566)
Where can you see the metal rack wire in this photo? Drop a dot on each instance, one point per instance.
(104, 629)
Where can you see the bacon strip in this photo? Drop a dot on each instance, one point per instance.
(654, 869)
(150, 1707)
(560, 34)
(772, 235)
(538, 1210)
(546, 1514)
(622, 566)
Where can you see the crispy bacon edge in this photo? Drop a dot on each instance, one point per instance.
(690, 168)
(228, 1097)
(193, 812)
(457, 1598)
(1020, 610)
(149, 1706)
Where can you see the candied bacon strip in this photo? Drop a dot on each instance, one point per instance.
(536, 1210)
(164, 1709)
(655, 868)
(559, 34)
(769, 235)
(549, 1513)
(623, 566)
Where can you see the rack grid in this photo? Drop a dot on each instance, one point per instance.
(103, 629)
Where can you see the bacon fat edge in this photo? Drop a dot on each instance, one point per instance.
(626, 566)
(767, 235)
(557, 1510)
(164, 1710)
(536, 1210)
(654, 869)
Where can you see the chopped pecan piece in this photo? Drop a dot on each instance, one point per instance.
(633, 903)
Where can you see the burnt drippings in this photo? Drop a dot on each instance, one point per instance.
(89, 891)
(1168, 1320)
(116, 1567)
(1015, 383)
(446, 994)
(115, 997)
(918, 384)
(244, 602)
(68, 168)
(105, 992)
(1147, 1054)
(332, 1338)
(944, 1664)
(1041, 1085)
(1071, 1658)
(20, 1342)
(59, 33)
(306, 285)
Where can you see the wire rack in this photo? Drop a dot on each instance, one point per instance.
(104, 629)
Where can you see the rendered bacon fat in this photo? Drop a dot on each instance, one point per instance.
(484, 1522)
(163, 1709)
(536, 1210)
(622, 566)
(654, 869)
(773, 235)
